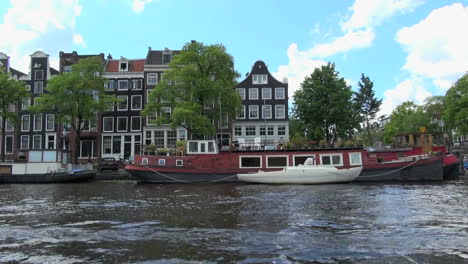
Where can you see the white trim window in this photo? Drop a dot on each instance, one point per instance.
(136, 123)
(241, 92)
(137, 84)
(152, 78)
(50, 122)
(281, 131)
(224, 122)
(253, 111)
(123, 85)
(270, 130)
(151, 117)
(25, 103)
(9, 127)
(38, 87)
(253, 93)
(37, 123)
(331, 159)
(279, 111)
(241, 114)
(37, 142)
(259, 78)
(122, 124)
(266, 93)
(122, 105)
(250, 131)
(108, 124)
(136, 102)
(277, 161)
(9, 145)
(39, 75)
(24, 142)
(279, 93)
(25, 122)
(250, 162)
(109, 86)
(238, 131)
(266, 111)
(123, 66)
(355, 158)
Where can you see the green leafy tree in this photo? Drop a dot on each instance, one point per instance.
(407, 118)
(367, 105)
(324, 105)
(198, 87)
(76, 97)
(456, 102)
(11, 93)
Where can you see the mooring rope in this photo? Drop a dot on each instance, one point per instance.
(172, 178)
(382, 174)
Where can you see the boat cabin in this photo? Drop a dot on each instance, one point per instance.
(36, 162)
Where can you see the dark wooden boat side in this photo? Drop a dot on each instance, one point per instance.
(62, 177)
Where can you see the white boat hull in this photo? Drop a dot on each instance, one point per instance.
(303, 175)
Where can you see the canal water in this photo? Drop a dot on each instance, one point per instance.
(125, 222)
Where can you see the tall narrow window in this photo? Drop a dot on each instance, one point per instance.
(50, 122)
(38, 87)
(279, 111)
(253, 93)
(39, 75)
(136, 123)
(37, 122)
(241, 92)
(37, 141)
(123, 85)
(9, 145)
(136, 102)
(122, 124)
(107, 145)
(24, 142)
(253, 111)
(25, 123)
(123, 103)
(279, 93)
(152, 78)
(108, 125)
(241, 113)
(266, 111)
(266, 93)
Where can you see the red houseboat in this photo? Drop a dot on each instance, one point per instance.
(203, 162)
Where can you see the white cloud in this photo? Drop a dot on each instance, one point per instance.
(410, 89)
(368, 14)
(78, 39)
(32, 24)
(299, 66)
(437, 46)
(139, 5)
(351, 40)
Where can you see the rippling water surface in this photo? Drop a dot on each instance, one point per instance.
(124, 222)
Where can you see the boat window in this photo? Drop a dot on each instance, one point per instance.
(299, 160)
(355, 158)
(193, 146)
(144, 161)
(210, 147)
(202, 147)
(161, 162)
(273, 162)
(250, 162)
(179, 163)
(331, 159)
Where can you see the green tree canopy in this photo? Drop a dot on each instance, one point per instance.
(407, 118)
(11, 93)
(198, 88)
(76, 97)
(367, 105)
(456, 102)
(324, 105)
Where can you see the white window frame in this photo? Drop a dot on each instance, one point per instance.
(280, 109)
(118, 84)
(104, 124)
(151, 117)
(8, 125)
(179, 163)
(135, 84)
(36, 87)
(38, 71)
(126, 124)
(25, 103)
(12, 144)
(277, 89)
(154, 76)
(224, 122)
(21, 141)
(240, 127)
(53, 122)
(141, 102)
(162, 162)
(126, 66)
(29, 123)
(248, 130)
(131, 125)
(259, 78)
(331, 159)
(40, 141)
(253, 93)
(120, 97)
(263, 93)
(278, 130)
(241, 92)
(251, 108)
(350, 159)
(243, 113)
(250, 156)
(263, 112)
(276, 156)
(311, 155)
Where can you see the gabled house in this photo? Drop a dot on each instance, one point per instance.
(121, 131)
(263, 119)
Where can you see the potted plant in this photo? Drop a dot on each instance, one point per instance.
(163, 151)
(150, 149)
(322, 143)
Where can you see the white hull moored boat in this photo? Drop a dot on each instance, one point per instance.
(303, 174)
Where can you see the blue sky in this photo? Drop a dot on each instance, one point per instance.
(411, 49)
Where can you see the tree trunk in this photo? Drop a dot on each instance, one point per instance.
(2, 144)
(76, 149)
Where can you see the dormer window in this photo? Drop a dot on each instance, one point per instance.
(123, 66)
(167, 58)
(259, 79)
